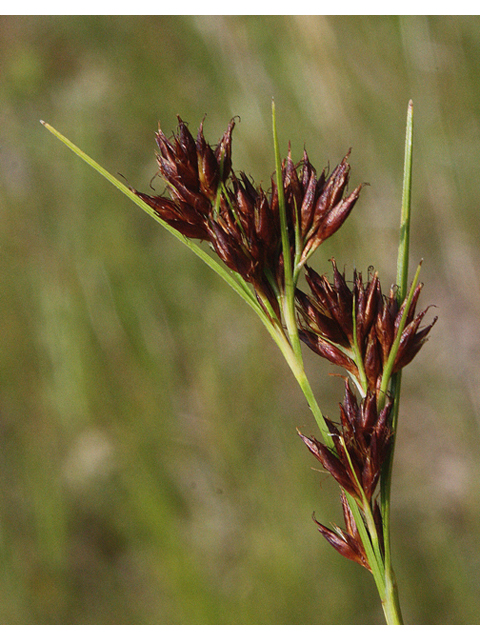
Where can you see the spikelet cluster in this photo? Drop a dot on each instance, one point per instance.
(355, 327)
(209, 201)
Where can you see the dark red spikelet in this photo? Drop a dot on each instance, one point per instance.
(182, 218)
(332, 464)
(348, 543)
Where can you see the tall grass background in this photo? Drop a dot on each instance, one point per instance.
(150, 472)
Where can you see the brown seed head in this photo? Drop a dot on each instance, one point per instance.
(361, 443)
(348, 543)
(242, 222)
(326, 323)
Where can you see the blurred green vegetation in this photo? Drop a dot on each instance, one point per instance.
(150, 472)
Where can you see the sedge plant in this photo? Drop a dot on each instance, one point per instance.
(264, 240)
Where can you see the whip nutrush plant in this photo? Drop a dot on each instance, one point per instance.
(264, 239)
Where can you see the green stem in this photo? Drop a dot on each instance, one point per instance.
(388, 368)
(367, 530)
(298, 370)
(373, 555)
(289, 292)
(404, 245)
(290, 278)
(313, 404)
(362, 382)
(391, 602)
(391, 606)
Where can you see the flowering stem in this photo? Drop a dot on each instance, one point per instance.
(362, 383)
(392, 605)
(281, 323)
(404, 245)
(289, 293)
(373, 554)
(291, 273)
(387, 372)
(313, 404)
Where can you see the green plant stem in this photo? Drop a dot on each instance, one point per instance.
(373, 554)
(298, 370)
(362, 384)
(384, 580)
(295, 359)
(289, 293)
(387, 371)
(391, 606)
(404, 245)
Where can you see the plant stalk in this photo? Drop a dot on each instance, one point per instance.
(391, 606)
(288, 341)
